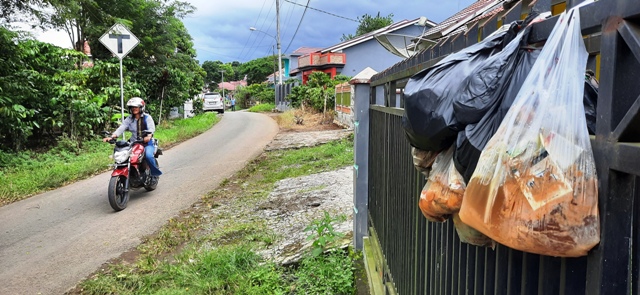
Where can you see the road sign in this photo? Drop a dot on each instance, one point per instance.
(119, 40)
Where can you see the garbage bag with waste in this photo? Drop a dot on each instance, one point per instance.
(475, 136)
(442, 195)
(535, 186)
(428, 120)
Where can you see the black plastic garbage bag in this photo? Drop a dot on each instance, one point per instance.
(488, 82)
(428, 120)
(590, 100)
(474, 138)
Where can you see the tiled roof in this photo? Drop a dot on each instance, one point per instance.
(305, 50)
(231, 86)
(478, 10)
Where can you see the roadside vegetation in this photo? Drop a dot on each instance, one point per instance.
(29, 172)
(210, 251)
(263, 107)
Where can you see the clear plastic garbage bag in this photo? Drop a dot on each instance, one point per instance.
(442, 195)
(535, 187)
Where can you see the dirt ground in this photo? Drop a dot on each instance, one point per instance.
(298, 121)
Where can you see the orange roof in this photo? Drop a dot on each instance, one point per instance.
(305, 50)
(231, 86)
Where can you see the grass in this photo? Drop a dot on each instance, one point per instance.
(286, 120)
(27, 173)
(294, 163)
(263, 107)
(210, 251)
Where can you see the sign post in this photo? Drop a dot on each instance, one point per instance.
(120, 41)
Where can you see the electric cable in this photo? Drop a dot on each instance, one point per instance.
(299, 23)
(329, 13)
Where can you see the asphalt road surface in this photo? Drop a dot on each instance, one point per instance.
(49, 242)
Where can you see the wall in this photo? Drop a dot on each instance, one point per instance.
(372, 54)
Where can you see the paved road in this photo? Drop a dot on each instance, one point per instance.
(49, 242)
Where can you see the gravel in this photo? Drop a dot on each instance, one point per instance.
(296, 202)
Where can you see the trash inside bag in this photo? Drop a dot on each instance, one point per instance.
(442, 195)
(535, 186)
(423, 160)
(469, 235)
(428, 121)
(474, 138)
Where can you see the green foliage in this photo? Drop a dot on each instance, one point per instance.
(320, 87)
(263, 107)
(258, 69)
(255, 93)
(326, 274)
(322, 233)
(226, 270)
(306, 161)
(369, 24)
(45, 93)
(214, 74)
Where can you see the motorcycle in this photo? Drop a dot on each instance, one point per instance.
(130, 171)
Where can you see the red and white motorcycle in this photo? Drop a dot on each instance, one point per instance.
(130, 171)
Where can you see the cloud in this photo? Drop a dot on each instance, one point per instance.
(220, 28)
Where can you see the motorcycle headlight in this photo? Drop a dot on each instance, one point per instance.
(121, 156)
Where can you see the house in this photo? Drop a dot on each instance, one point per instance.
(290, 61)
(352, 56)
(232, 85)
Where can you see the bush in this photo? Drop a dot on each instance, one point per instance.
(263, 107)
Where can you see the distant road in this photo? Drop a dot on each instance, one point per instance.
(49, 242)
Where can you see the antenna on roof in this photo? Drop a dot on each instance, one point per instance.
(422, 21)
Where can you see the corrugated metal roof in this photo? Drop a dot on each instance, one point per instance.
(368, 36)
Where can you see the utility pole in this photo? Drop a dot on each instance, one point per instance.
(278, 42)
(222, 84)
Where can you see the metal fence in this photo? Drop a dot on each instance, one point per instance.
(427, 258)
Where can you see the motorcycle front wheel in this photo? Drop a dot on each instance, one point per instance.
(118, 193)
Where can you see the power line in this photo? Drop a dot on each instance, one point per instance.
(251, 52)
(299, 23)
(329, 13)
(247, 42)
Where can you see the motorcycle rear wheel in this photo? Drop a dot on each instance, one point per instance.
(118, 193)
(153, 182)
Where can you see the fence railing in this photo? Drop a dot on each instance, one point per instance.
(421, 257)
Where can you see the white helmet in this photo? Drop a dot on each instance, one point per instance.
(135, 102)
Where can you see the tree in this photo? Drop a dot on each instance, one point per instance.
(369, 24)
(318, 93)
(43, 92)
(213, 68)
(258, 69)
(10, 8)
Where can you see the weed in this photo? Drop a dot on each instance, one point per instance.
(322, 232)
(326, 274)
(286, 119)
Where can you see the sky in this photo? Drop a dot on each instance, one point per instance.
(220, 28)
